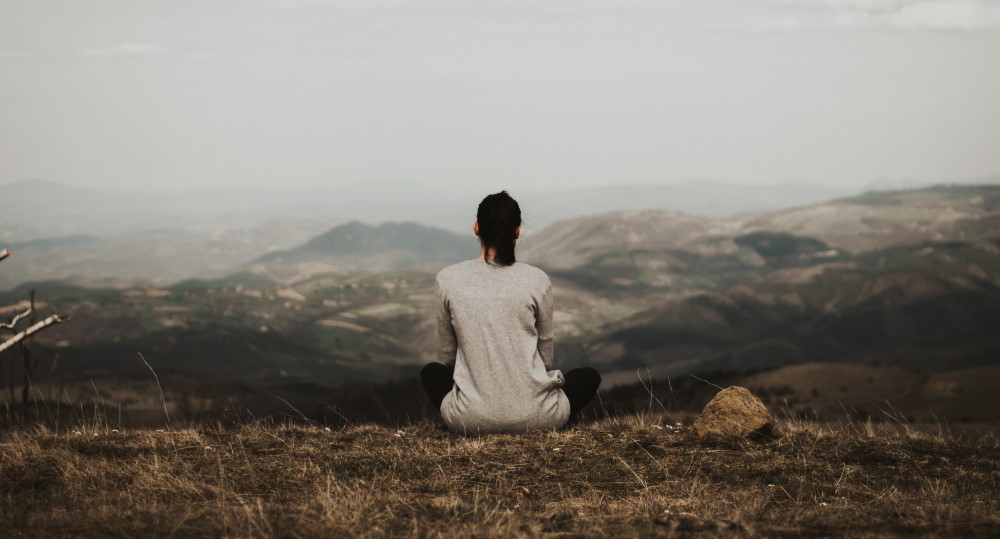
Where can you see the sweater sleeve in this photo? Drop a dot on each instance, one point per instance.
(446, 332)
(543, 325)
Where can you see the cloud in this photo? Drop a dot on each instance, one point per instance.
(839, 4)
(946, 15)
(835, 4)
(123, 50)
(956, 15)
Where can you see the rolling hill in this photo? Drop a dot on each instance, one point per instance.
(866, 222)
(156, 257)
(359, 247)
(164, 237)
(915, 286)
(930, 307)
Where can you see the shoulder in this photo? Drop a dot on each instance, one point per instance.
(536, 275)
(452, 272)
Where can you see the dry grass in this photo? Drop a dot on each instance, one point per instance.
(634, 476)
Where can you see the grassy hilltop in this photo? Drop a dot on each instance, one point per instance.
(829, 312)
(635, 476)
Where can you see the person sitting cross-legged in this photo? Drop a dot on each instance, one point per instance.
(494, 320)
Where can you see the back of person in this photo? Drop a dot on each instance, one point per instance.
(501, 319)
(494, 321)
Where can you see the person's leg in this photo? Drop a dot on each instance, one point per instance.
(581, 386)
(437, 379)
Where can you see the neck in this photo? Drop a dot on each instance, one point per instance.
(486, 254)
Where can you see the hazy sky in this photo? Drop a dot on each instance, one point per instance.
(178, 94)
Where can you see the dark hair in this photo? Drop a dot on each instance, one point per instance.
(498, 217)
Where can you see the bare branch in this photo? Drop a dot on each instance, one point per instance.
(16, 319)
(54, 319)
(4, 253)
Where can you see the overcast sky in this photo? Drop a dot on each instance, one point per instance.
(179, 94)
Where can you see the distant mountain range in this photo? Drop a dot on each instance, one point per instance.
(94, 237)
(908, 279)
(34, 209)
(633, 253)
(152, 257)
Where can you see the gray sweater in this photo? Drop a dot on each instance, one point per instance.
(495, 326)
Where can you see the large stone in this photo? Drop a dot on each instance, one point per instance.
(734, 411)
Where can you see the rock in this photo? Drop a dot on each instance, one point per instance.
(734, 411)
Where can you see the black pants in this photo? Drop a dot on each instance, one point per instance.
(581, 384)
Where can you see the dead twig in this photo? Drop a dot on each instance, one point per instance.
(54, 319)
(17, 318)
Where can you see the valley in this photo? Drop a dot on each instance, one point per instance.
(900, 282)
